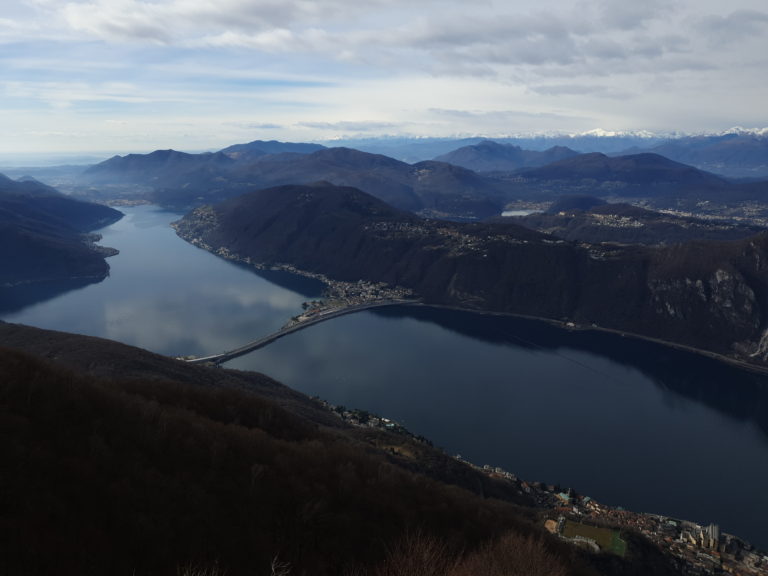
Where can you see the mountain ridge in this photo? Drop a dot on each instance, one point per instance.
(43, 238)
(490, 156)
(707, 295)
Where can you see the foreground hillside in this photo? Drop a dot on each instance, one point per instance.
(119, 461)
(711, 296)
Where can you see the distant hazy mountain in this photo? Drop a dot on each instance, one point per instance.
(642, 170)
(160, 168)
(737, 155)
(733, 153)
(651, 177)
(490, 156)
(706, 295)
(431, 188)
(258, 148)
(417, 149)
(183, 180)
(42, 236)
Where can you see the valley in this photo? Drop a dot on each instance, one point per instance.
(473, 362)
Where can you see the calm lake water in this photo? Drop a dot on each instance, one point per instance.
(627, 422)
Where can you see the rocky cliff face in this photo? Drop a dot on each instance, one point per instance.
(707, 295)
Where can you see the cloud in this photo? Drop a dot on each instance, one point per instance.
(65, 94)
(176, 20)
(278, 39)
(505, 41)
(255, 125)
(119, 20)
(580, 90)
(354, 126)
(634, 15)
(734, 27)
(306, 69)
(499, 116)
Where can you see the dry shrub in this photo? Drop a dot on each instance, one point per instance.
(200, 570)
(418, 554)
(512, 555)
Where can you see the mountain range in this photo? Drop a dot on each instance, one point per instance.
(472, 182)
(181, 180)
(737, 152)
(648, 179)
(737, 155)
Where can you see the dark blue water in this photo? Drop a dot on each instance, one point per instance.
(628, 422)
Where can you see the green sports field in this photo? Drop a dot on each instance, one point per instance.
(607, 539)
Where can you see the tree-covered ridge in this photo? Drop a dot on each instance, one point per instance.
(43, 234)
(708, 295)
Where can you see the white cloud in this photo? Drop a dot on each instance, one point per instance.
(276, 40)
(308, 69)
(734, 27)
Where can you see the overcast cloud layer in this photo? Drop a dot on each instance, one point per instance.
(135, 75)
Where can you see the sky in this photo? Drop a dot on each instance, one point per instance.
(139, 75)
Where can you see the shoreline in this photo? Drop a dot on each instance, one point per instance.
(570, 326)
(762, 370)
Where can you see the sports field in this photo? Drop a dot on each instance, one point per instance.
(607, 539)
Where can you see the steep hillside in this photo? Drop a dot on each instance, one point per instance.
(712, 296)
(167, 469)
(581, 219)
(42, 236)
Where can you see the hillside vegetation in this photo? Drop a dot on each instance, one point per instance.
(43, 238)
(163, 468)
(709, 295)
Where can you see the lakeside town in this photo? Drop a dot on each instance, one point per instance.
(339, 296)
(582, 521)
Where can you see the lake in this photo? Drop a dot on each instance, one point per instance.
(628, 422)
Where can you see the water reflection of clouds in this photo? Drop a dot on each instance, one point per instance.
(254, 296)
(206, 320)
(158, 326)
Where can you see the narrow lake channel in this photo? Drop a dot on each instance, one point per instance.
(628, 422)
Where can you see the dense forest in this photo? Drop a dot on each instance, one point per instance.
(157, 467)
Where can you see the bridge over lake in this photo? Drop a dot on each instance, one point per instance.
(321, 316)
